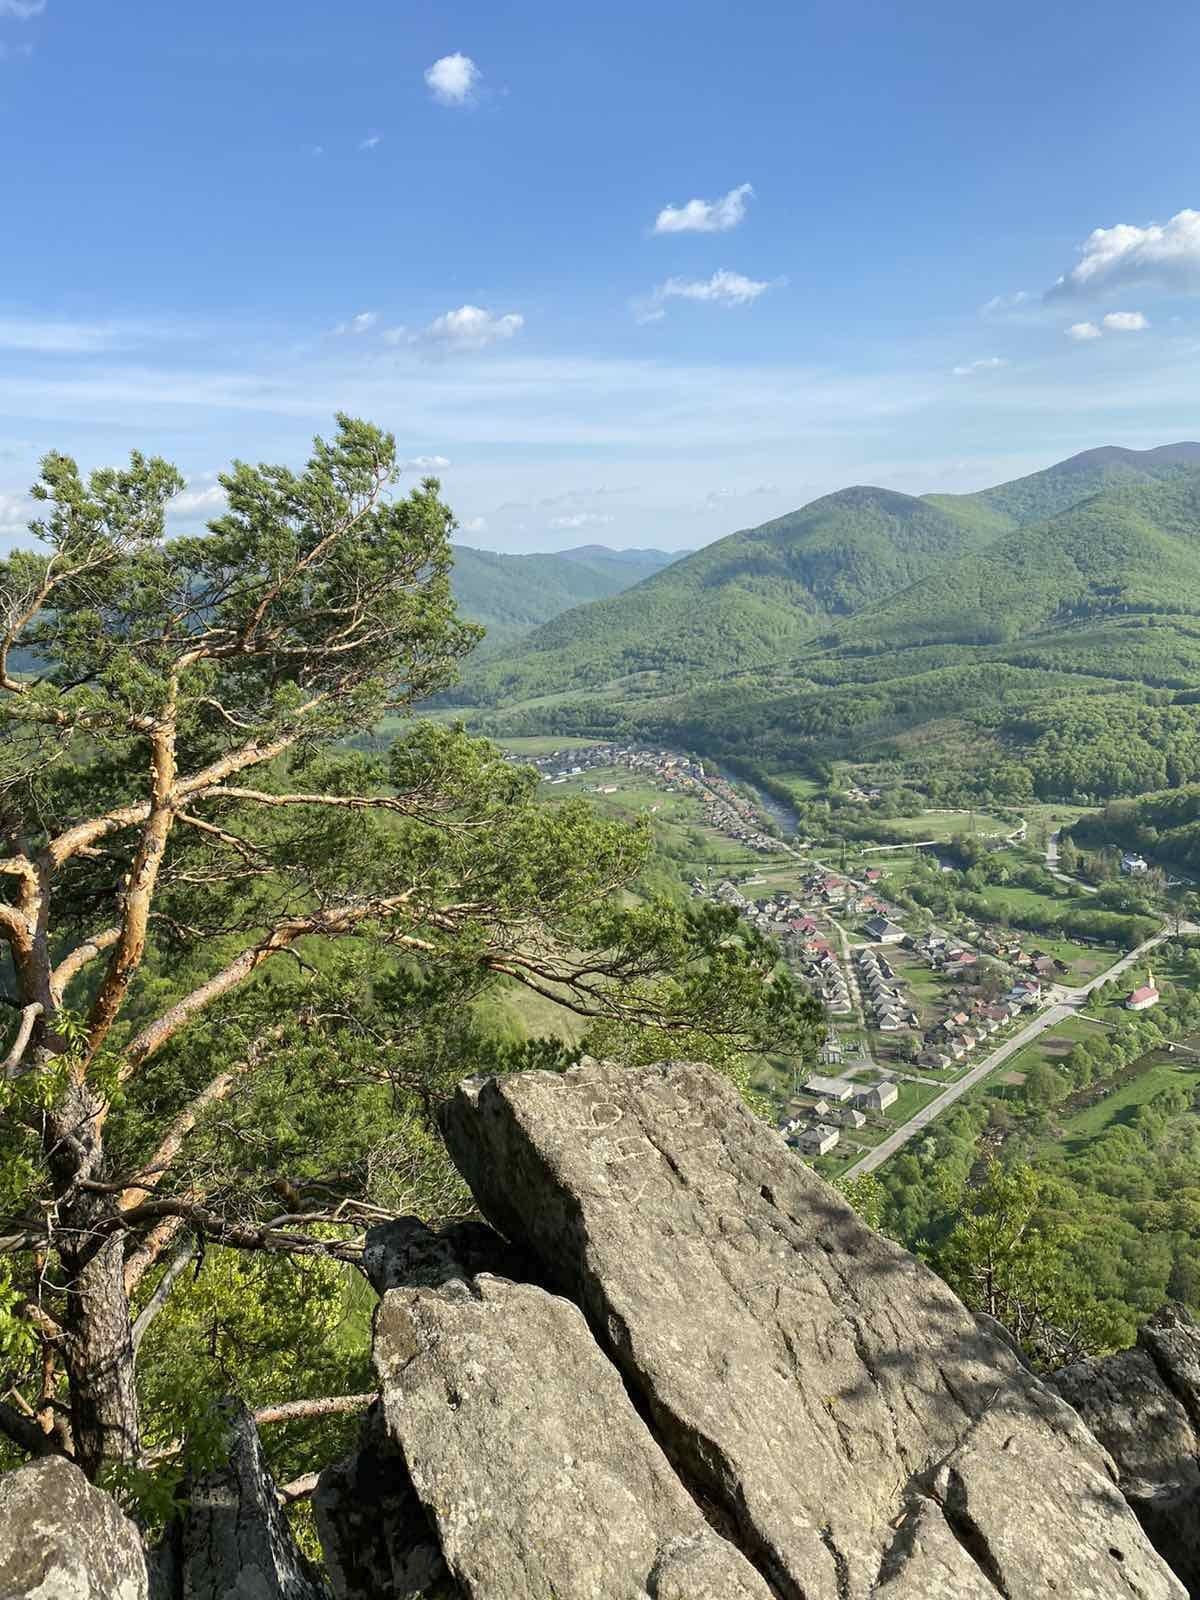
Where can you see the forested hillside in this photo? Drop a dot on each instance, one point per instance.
(510, 594)
(1057, 657)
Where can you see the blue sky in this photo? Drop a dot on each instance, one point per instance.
(638, 274)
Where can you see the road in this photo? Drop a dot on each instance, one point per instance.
(1052, 866)
(1065, 1003)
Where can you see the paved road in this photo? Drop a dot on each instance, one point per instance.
(1066, 1003)
(1053, 869)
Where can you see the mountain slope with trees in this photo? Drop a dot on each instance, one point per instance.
(510, 594)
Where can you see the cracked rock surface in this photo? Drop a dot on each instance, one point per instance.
(826, 1396)
(1144, 1407)
(530, 1459)
(62, 1539)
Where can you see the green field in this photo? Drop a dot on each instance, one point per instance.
(543, 744)
(1120, 1106)
(943, 825)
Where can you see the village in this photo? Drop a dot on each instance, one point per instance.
(915, 1011)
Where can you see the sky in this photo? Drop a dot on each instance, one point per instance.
(632, 274)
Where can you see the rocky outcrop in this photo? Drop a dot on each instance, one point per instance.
(676, 1367)
(62, 1539)
(233, 1542)
(526, 1451)
(849, 1424)
(1144, 1407)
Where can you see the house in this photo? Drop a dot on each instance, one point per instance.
(883, 931)
(873, 874)
(878, 1097)
(817, 1141)
(836, 1089)
(849, 1118)
(821, 1109)
(1143, 998)
(1132, 864)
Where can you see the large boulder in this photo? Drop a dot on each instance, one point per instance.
(1144, 1407)
(63, 1539)
(530, 1459)
(820, 1389)
(233, 1541)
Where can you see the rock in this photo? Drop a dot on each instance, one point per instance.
(407, 1252)
(1142, 1405)
(377, 1541)
(233, 1542)
(63, 1539)
(815, 1382)
(530, 1459)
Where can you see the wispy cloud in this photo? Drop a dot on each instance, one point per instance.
(22, 10)
(1000, 303)
(581, 519)
(371, 142)
(724, 288)
(453, 80)
(1081, 332)
(362, 323)
(986, 364)
(471, 328)
(1161, 255)
(1126, 322)
(73, 338)
(474, 525)
(425, 464)
(705, 216)
(16, 512)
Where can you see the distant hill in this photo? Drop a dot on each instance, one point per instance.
(1057, 488)
(978, 645)
(742, 599)
(511, 595)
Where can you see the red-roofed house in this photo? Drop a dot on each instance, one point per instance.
(1142, 999)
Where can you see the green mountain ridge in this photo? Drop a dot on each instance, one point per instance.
(1062, 652)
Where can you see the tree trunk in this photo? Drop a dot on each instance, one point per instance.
(98, 1351)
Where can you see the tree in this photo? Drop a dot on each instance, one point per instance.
(242, 957)
(1007, 1257)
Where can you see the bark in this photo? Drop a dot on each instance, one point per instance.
(98, 1349)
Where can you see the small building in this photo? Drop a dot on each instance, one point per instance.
(835, 1089)
(1132, 864)
(878, 1097)
(885, 932)
(1143, 998)
(817, 1141)
(849, 1118)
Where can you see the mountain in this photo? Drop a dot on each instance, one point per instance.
(1057, 488)
(512, 594)
(949, 635)
(740, 600)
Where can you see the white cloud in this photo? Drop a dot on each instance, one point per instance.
(472, 328)
(15, 514)
(397, 335)
(987, 364)
(475, 525)
(22, 10)
(581, 519)
(1082, 331)
(1126, 322)
(371, 142)
(452, 80)
(705, 216)
(724, 288)
(999, 304)
(362, 323)
(425, 464)
(199, 502)
(1165, 255)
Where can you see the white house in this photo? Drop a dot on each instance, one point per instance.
(817, 1141)
(878, 1097)
(1132, 864)
(885, 932)
(830, 1088)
